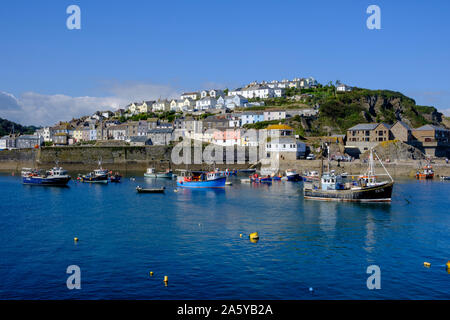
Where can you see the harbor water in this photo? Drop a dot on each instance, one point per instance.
(199, 240)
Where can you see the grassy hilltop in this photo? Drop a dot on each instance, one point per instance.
(339, 111)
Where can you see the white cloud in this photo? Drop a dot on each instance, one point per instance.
(32, 108)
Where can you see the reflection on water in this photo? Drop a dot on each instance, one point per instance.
(193, 236)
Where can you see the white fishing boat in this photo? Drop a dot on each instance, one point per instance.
(151, 173)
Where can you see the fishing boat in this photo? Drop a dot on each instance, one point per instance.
(56, 176)
(260, 179)
(333, 187)
(426, 173)
(445, 177)
(201, 179)
(96, 176)
(151, 173)
(150, 190)
(292, 175)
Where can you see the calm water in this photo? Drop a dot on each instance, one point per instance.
(193, 237)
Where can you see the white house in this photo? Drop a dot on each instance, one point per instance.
(190, 95)
(45, 133)
(206, 103)
(161, 105)
(274, 115)
(216, 93)
(285, 148)
(231, 102)
(262, 92)
(279, 92)
(343, 88)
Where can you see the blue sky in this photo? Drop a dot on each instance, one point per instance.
(134, 50)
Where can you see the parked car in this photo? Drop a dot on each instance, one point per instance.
(311, 156)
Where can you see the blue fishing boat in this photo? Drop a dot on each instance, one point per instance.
(57, 176)
(97, 176)
(201, 179)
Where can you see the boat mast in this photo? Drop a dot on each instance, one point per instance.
(384, 167)
(371, 171)
(328, 156)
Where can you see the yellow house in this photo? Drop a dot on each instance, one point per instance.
(78, 134)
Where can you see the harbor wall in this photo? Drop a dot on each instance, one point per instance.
(137, 159)
(85, 158)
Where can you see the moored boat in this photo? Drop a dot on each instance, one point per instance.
(151, 173)
(366, 189)
(96, 176)
(426, 173)
(201, 179)
(292, 175)
(56, 176)
(260, 179)
(115, 177)
(150, 190)
(445, 177)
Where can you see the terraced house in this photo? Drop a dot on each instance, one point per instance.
(364, 136)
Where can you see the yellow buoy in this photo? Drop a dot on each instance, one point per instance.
(427, 264)
(151, 273)
(166, 279)
(254, 236)
(448, 264)
(75, 239)
(240, 235)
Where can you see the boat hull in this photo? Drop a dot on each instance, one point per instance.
(294, 177)
(159, 175)
(40, 181)
(216, 183)
(381, 193)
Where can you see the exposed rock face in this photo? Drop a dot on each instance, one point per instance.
(396, 150)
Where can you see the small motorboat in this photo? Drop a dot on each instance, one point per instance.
(150, 190)
(445, 177)
(426, 173)
(115, 177)
(151, 173)
(292, 175)
(258, 179)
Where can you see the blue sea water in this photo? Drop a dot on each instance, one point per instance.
(193, 237)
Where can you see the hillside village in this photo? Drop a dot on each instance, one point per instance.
(298, 110)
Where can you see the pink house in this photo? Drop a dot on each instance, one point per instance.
(227, 137)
